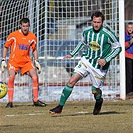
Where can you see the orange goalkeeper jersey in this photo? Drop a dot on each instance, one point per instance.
(20, 46)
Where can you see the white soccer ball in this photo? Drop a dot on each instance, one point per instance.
(3, 90)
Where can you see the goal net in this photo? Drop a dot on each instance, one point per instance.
(58, 25)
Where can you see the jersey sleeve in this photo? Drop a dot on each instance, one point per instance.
(83, 39)
(116, 47)
(10, 39)
(80, 45)
(34, 43)
(77, 49)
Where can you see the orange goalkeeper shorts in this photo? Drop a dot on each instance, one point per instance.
(24, 67)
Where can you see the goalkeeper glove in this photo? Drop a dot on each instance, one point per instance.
(3, 65)
(38, 66)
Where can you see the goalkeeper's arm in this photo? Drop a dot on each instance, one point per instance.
(38, 66)
(3, 62)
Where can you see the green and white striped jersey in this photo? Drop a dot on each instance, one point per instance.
(100, 45)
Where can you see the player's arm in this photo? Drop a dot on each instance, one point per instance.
(115, 46)
(8, 43)
(77, 48)
(35, 53)
(80, 45)
(75, 51)
(38, 66)
(116, 49)
(4, 52)
(101, 62)
(110, 56)
(10, 40)
(3, 61)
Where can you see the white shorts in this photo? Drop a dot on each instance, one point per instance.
(97, 76)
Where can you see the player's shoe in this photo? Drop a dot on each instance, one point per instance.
(56, 110)
(9, 105)
(97, 107)
(39, 103)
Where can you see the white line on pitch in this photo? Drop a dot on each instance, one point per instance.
(24, 114)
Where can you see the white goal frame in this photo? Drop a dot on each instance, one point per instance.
(67, 30)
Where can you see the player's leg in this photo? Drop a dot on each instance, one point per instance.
(69, 87)
(99, 100)
(35, 86)
(97, 78)
(79, 72)
(11, 79)
(66, 93)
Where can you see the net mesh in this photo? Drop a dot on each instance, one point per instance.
(58, 25)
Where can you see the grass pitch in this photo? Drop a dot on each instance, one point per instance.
(77, 117)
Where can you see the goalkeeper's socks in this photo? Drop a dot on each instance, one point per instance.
(65, 94)
(35, 93)
(10, 94)
(10, 88)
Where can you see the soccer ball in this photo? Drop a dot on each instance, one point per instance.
(3, 90)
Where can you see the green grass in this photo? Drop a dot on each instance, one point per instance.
(115, 117)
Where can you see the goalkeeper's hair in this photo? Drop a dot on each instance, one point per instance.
(24, 20)
(98, 14)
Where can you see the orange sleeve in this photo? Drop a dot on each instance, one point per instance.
(9, 41)
(34, 42)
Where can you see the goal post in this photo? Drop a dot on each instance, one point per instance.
(58, 25)
(122, 55)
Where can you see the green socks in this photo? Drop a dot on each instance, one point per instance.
(98, 93)
(65, 94)
(68, 90)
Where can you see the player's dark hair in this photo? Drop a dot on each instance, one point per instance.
(24, 20)
(98, 14)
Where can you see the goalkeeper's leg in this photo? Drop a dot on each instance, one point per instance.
(35, 92)
(35, 88)
(11, 79)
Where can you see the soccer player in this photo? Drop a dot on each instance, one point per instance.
(102, 47)
(20, 42)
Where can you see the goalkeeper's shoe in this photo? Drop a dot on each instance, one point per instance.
(97, 107)
(9, 105)
(56, 110)
(39, 103)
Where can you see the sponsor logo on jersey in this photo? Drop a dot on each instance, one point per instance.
(23, 46)
(94, 46)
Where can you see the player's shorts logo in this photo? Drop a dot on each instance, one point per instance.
(94, 46)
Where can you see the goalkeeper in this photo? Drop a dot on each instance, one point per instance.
(20, 42)
(102, 46)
